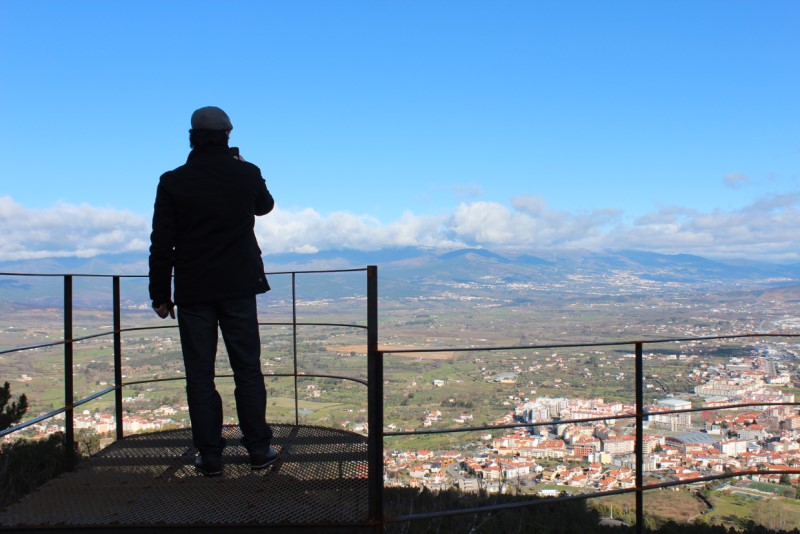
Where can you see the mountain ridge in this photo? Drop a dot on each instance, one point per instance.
(410, 271)
(134, 263)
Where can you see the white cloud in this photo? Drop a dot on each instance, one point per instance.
(735, 180)
(308, 231)
(68, 230)
(534, 205)
(765, 229)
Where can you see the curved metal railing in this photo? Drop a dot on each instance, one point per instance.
(68, 342)
(375, 384)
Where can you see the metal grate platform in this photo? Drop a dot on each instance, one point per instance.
(148, 480)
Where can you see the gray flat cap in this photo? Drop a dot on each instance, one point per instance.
(211, 118)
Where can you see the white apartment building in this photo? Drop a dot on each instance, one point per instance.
(731, 447)
(619, 444)
(673, 421)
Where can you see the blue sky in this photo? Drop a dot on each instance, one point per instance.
(669, 126)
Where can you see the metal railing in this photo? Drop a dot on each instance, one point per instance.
(69, 340)
(375, 385)
(639, 416)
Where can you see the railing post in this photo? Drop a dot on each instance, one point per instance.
(294, 348)
(118, 361)
(375, 403)
(69, 398)
(639, 444)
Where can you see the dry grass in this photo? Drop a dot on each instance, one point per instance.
(679, 506)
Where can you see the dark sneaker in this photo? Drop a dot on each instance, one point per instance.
(210, 467)
(262, 459)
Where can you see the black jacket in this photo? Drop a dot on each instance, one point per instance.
(203, 229)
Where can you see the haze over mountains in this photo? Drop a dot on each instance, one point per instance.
(422, 272)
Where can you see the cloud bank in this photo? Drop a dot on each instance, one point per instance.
(766, 230)
(68, 230)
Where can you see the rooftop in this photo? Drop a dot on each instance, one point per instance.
(695, 438)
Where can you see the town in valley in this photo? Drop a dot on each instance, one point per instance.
(548, 419)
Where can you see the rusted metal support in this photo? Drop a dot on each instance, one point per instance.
(69, 391)
(375, 403)
(639, 450)
(119, 418)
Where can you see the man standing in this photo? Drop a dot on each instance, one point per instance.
(203, 229)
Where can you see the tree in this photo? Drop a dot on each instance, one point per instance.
(11, 413)
(88, 442)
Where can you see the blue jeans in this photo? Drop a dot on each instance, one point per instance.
(238, 321)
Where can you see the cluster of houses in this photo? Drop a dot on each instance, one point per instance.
(596, 450)
(589, 443)
(150, 421)
(104, 423)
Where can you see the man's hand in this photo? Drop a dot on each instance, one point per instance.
(168, 308)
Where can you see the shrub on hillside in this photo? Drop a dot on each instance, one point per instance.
(25, 465)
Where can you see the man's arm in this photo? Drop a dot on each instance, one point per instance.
(162, 253)
(264, 201)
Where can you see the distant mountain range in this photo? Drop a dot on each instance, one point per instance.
(415, 271)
